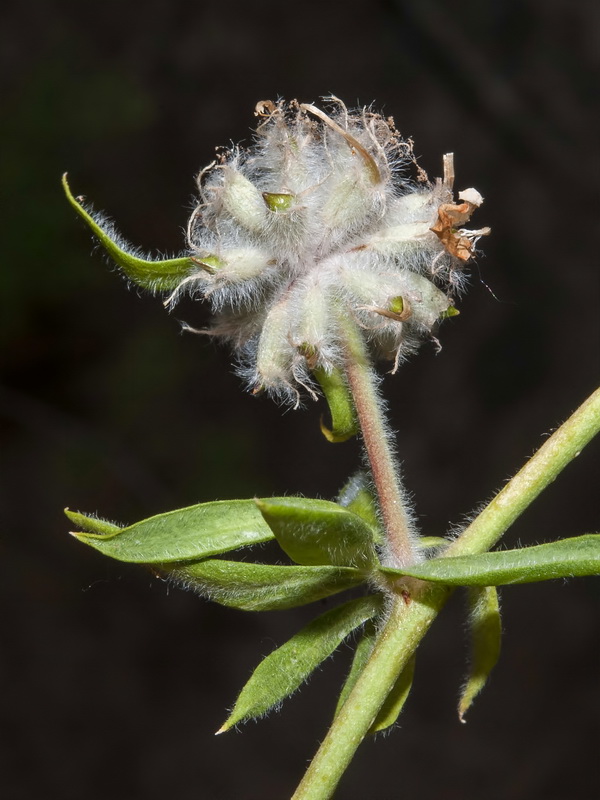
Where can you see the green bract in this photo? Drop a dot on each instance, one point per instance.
(343, 418)
(156, 276)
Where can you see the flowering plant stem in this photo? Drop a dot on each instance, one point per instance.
(362, 383)
(317, 258)
(414, 609)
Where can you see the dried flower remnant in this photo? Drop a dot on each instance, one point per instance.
(459, 242)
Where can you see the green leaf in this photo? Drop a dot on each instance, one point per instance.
(363, 650)
(187, 533)
(394, 702)
(92, 524)
(314, 532)
(357, 497)
(390, 710)
(486, 634)
(154, 275)
(286, 668)
(566, 558)
(341, 408)
(262, 587)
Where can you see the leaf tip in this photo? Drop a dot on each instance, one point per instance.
(67, 189)
(81, 536)
(223, 729)
(332, 435)
(263, 505)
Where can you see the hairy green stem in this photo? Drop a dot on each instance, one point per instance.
(563, 446)
(406, 625)
(410, 618)
(362, 383)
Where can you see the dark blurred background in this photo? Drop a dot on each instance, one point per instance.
(112, 685)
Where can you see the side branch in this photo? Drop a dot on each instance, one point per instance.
(563, 446)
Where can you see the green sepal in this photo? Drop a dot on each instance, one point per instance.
(156, 276)
(285, 669)
(278, 201)
(566, 558)
(450, 312)
(92, 524)
(341, 408)
(315, 532)
(191, 533)
(262, 587)
(210, 264)
(486, 634)
(396, 305)
(357, 497)
(394, 702)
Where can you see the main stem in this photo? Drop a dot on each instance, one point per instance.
(409, 620)
(397, 641)
(362, 383)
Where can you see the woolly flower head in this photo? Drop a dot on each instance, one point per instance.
(319, 220)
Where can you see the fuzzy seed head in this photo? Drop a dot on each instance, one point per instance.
(320, 218)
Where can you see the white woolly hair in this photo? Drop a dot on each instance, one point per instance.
(318, 215)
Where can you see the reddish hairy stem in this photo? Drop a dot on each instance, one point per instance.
(362, 383)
